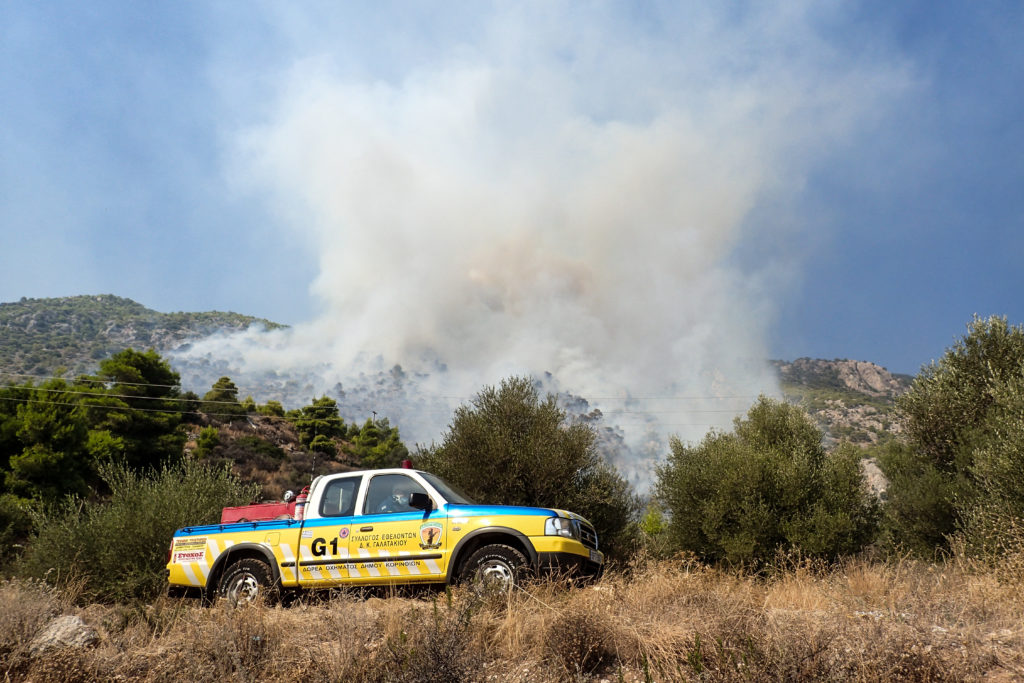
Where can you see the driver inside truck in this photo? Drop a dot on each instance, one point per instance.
(399, 500)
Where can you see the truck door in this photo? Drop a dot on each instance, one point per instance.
(323, 547)
(391, 541)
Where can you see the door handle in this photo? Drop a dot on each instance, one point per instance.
(366, 528)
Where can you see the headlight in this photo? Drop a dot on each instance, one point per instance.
(560, 526)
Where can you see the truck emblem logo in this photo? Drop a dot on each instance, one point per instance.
(430, 535)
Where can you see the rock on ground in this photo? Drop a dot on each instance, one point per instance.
(66, 631)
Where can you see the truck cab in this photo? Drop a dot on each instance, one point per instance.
(379, 527)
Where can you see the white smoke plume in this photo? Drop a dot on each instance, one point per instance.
(567, 201)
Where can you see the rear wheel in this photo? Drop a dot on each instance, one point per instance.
(248, 581)
(495, 567)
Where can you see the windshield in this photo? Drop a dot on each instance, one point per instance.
(450, 493)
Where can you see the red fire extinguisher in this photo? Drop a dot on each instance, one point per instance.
(300, 503)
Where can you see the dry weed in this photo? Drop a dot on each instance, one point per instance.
(663, 621)
(25, 608)
(583, 643)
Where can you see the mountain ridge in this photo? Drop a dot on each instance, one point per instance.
(41, 336)
(848, 399)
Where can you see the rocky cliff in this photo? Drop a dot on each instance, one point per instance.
(849, 399)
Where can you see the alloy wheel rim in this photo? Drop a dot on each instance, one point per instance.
(243, 589)
(496, 573)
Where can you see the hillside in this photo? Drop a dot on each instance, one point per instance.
(851, 400)
(40, 336)
(268, 452)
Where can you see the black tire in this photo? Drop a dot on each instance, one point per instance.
(248, 581)
(495, 567)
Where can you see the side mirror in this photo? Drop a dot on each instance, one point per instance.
(420, 501)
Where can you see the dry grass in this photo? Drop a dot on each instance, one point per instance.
(667, 621)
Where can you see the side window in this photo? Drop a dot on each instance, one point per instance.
(390, 493)
(340, 497)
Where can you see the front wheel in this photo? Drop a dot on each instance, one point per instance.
(248, 581)
(495, 567)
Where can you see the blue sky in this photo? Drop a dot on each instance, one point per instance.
(147, 151)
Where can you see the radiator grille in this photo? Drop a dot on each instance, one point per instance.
(588, 536)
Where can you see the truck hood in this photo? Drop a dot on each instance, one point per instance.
(455, 510)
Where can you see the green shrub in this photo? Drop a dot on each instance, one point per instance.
(964, 434)
(324, 445)
(209, 439)
(246, 455)
(260, 448)
(319, 419)
(117, 548)
(511, 447)
(919, 512)
(271, 409)
(993, 524)
(652, 533)
(222, 400)
(377, 445)
(741, 497)
(15, 526)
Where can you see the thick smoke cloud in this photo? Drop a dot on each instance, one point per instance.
(569, 202)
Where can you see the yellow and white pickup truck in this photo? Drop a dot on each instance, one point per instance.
(379, 527)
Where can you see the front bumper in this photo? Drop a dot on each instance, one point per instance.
(569, 565)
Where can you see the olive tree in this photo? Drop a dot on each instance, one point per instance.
(769, 485)
(511, 446)
(963, 438)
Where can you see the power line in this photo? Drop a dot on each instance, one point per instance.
(130, 409)
(129, 396)
(611, 416)
(745, 397)
(669, 398)
(180, 399)
(87, 378)
(258, 416)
